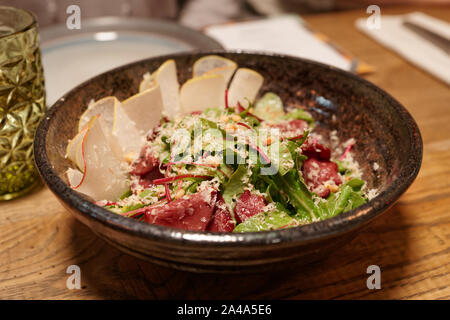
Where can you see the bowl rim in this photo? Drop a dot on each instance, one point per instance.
(335, 226)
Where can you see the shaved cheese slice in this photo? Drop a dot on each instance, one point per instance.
(166, 77)
(203, 92)
(212, 62)
(145, 109)
(148, 82)
(122, 134)
(226, 72)
(103, 177)
(245, 85)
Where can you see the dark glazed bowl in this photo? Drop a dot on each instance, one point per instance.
(385, 133)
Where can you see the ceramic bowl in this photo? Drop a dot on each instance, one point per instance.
(385, 132)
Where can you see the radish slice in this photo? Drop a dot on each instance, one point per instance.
(244, 86)
(166, 77)
(73, 148)
(75, 178)
(145, 109)
(203, 92)
(103, 177)
(212, 62)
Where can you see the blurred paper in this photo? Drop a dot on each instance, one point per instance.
(284, 34)
(412, 45)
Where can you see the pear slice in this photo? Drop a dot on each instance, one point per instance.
(212, 62)
(203, 92)
(103, 176)
(226, 71)
(145, 109)
(148, 82)
(244, 85)
(166, 77)
(99, 107)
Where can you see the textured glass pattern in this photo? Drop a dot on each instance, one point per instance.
(22, 105)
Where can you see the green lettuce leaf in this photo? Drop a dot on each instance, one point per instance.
(269, 107)
(271, 220)
(234, 186)
(299, 114)
(297, 194)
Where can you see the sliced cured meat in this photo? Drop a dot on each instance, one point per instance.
(247, 205)
(222, 220)
(193, 212)
(291, 128)
(317, 174)
(316, 151)
(145, 163)
(145, 181)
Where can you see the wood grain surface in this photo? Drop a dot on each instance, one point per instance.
(39, 239)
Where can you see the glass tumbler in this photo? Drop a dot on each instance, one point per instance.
(22, 100)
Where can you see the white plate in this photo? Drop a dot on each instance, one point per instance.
(70, 57)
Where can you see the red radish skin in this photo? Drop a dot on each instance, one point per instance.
(83, 143)
(347, 150)
(263, 155)
(146, 181)
(317, 172)
(191, 213)
(166, 185)
(105, 203)
(247, 205)
(192, 163)
(244, 125)
(84, 161)
(226, 99)
(140, 211)
(296, 137)
(167, 191)
(240, 109)
(200, 165)
(222, 220)
(182, 176)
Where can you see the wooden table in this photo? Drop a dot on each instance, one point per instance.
(39, 239)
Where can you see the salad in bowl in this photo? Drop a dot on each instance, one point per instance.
(214, 154)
